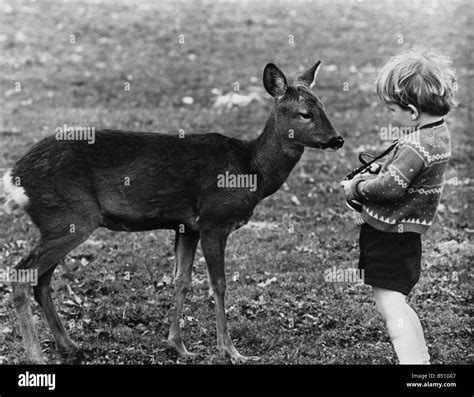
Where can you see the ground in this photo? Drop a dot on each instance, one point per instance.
(70, 63)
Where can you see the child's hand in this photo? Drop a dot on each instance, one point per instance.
(375, 168)
(346, 185)
(358, 218)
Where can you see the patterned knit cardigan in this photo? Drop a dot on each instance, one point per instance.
(405, 195)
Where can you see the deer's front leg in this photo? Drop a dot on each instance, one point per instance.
(185, 248)
(213, 247)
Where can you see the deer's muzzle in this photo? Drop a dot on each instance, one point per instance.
(334, 143)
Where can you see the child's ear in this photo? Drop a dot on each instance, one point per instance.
(414, 112)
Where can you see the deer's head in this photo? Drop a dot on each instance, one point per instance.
(299, 114)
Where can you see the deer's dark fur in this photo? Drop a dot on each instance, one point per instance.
(135, 181)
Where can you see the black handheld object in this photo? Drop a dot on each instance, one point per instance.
(354, 205)
(366, 164)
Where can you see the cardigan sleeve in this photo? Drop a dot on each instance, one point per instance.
(391, 183)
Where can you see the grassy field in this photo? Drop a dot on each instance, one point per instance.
(72, 62)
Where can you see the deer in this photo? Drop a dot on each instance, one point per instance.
(70, 187)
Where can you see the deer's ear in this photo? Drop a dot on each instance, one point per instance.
(308, 78)
(274, 81)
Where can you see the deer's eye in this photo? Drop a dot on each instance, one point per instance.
(305, 116)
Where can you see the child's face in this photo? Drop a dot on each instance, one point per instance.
(402, 117)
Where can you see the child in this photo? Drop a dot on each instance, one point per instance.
(399, 204)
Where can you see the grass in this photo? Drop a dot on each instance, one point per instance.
(279, 306)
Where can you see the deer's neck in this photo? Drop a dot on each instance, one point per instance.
(274, 158)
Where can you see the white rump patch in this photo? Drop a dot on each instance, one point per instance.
(14, 195)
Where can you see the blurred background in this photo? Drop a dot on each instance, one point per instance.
(197, 66)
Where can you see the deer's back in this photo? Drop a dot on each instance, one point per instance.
(137, 181)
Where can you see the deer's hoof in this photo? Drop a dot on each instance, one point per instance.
(177, 346)
(243, 359)
(188, 355)
(72, 356)
(235, 356)
(36, 361)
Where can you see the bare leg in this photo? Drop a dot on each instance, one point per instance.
(185, 248)
(213, 246)
(415, 322)
(391, 306)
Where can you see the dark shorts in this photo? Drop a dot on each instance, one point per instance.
(390, 260)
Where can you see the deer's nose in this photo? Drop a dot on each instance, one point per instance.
(336, 142)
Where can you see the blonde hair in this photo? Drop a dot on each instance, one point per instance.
(420, 77)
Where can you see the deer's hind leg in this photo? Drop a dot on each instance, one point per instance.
(68, 350)
(44, 258)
